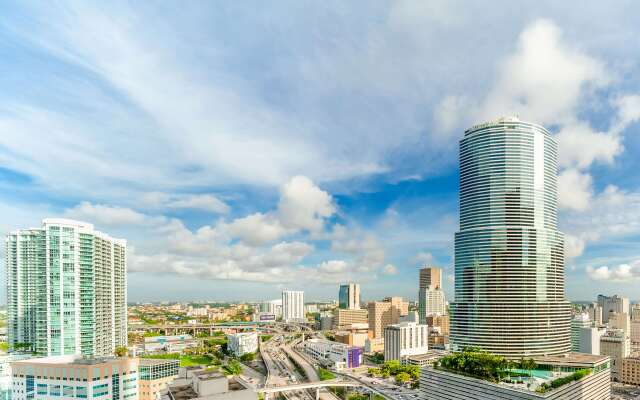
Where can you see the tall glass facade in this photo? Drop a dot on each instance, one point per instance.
(509, 255)
(66, 289)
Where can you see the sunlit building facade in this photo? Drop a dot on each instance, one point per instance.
(509, 254)
(66, 290)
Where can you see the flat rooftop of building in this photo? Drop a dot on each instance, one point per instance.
(157, 361)
(570, 359)
(70, 359)
(182, 392)
(206, 375)
(429, 355)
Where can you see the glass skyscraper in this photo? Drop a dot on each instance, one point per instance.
(66, 289)
(509, 255)
(349, 296)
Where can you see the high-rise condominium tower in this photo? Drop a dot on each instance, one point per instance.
(293, 306)
(431, 300)
(349, 296)
(66, 289)
(509, 255)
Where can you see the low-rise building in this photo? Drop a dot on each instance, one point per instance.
(66, 377)
(336, 356)
(205, 384)
(155, 375)
(168, 344)
(344, 318)
(437, 340)
(243, 343)
(374, 345)
(426, 359)
(405, 339)
(440, 384)
(630, 371)
(616, 345)
(356, 335)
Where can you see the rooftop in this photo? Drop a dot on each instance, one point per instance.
(157, 361)
(209, 374)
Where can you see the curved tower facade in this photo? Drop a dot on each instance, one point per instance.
(509, 254)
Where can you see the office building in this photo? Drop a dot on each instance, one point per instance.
(293, 306)
(242, 343)
(509, 254)
(634, 332)
(374, 345)
(386, 312)
(405, 339)
(412, 316)
(439, 321)
(635, 312)
(67, 289)
(620, 321)
(154, 376)
(349, 296)
(590, 340)
(272, 307)
(332, 355)
(579, 321)
(68, 377)
(613, 303)
(431, 299)
(344, 318)
(595, 314)
(438, 384)
(426, 359)
(617, 346)
(630, 371)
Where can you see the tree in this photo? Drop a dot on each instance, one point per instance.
(233, 367)
(248, 357)
(403, 377)
(121, 351)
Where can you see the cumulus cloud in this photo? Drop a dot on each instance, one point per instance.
(257, 229)
(626, 273)
(390, 269)
(303, 205)
(574, 190)
(423, 258)
(580, 146)
(545, 78)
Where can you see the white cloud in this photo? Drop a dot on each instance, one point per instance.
(106, 215)
(573, 246)
(575, 190)
(626, 273)
(579, 146)
(206, 202)
(303, 205)
(257, 229)
(390, 269)
(545, 78)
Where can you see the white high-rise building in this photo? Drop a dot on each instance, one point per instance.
(595, 314)
(293, 306)
(612, 303)
(431, 299)
(579, 321)
(272, 307)
(66, 289)
(405, 339)
(590, 340)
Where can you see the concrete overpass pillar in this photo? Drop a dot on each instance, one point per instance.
(317, 393)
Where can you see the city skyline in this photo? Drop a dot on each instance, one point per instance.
(250, 171)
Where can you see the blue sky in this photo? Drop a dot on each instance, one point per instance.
(243, 148)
